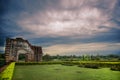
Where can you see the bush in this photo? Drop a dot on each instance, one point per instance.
(2, 62)
(115, 68)
(100, 64)
(81, 65)
(94, 66)
(70, 63)
(67, 64)
(8, 72)
(38, 63)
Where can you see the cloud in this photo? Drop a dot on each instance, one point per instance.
(79, 48)
(2, 49)
(63, 26)
(80, 18)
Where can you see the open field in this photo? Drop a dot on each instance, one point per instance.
(61, 72)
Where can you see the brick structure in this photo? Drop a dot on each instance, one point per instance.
(15, 47)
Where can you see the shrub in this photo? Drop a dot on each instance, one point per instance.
(81, 65)
(99, 64)
(8, 72)
(2, 62)
(70, 63)
(38, 63)
(94, 66)
(115, 68)
(66, 64)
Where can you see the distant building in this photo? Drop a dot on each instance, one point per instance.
(15, 47)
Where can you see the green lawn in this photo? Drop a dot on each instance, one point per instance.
(61, 72)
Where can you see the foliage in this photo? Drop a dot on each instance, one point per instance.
(2, 62)
(98, 64)
(22, 57)
(2, 59)
(111, 57)
(87, 64)
(2, 56)
(8, 72)
(94, 66)
(38, 63)
(66, 64)
(47, 57)
(115, 67)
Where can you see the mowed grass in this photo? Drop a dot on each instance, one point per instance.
(61, 72)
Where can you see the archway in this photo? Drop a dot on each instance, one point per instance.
(22, 58)
(22, 55)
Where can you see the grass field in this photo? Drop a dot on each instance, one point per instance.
(61, 72)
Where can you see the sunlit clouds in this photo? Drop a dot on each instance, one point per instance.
(60, 21)
(80, 49)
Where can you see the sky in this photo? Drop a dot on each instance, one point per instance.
(63, 27)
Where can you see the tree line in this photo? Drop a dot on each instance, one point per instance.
(110, 57)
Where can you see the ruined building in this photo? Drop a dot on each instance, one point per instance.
(16, 47)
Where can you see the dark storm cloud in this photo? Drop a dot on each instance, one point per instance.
(116, 14)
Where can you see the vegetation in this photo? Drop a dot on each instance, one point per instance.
(61, 72)
(38, 63)
(94, 66)
(86, 64)
(115, 67)
(111, 57)
(88, 61)
(8, 72)
(22, 57)
(2, 59)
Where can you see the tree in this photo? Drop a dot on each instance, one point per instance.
(47, 57)
(2, 56)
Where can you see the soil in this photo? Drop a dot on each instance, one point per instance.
(3, 68)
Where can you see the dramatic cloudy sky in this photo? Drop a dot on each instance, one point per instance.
(64, 27)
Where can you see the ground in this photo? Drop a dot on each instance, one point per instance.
(61, 72)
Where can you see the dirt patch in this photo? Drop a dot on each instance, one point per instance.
(57, 69)
(3, 68)
(78, 72)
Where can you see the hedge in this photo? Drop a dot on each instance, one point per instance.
(38, 63)
(115, 67)
(8, 72)
(86, 64)
(100, 64)
(94, 65)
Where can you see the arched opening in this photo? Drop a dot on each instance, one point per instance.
(22, 55)
(22, 58)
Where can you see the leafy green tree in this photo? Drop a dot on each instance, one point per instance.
(47, 57)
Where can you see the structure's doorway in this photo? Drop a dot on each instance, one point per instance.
(22, 58)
